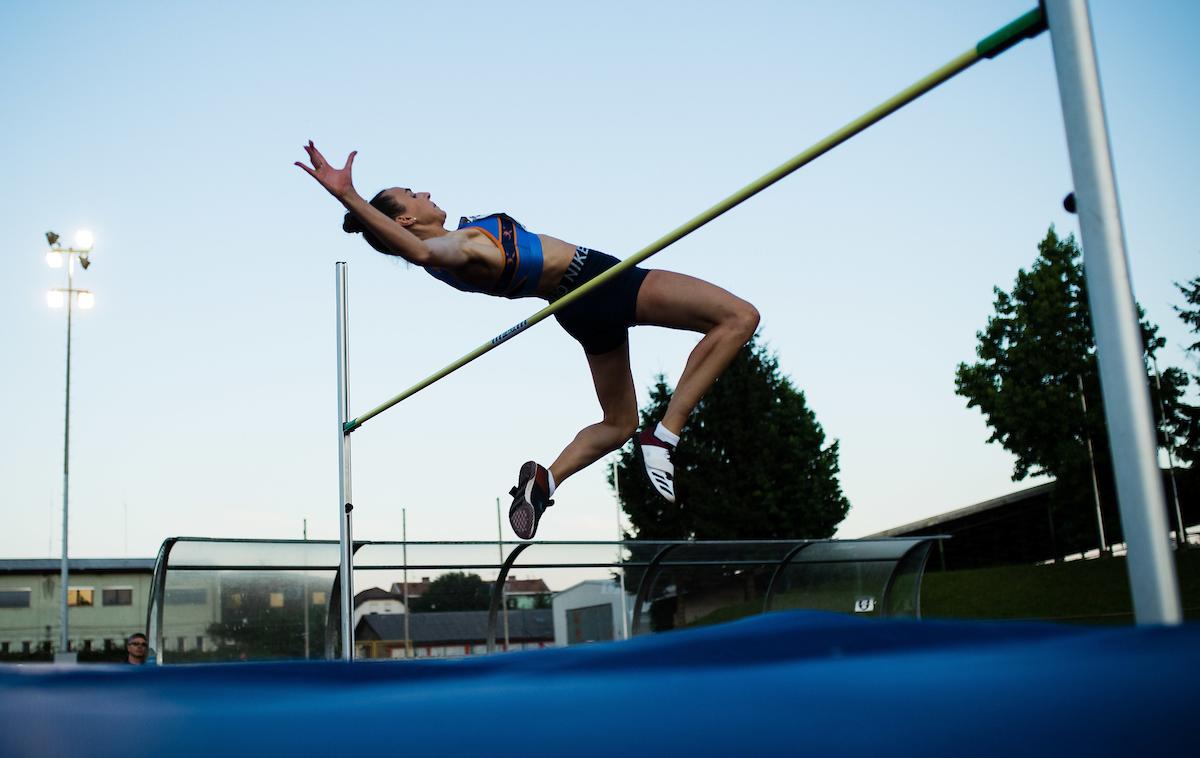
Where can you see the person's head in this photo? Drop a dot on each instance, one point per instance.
(136, 647)
(414, 211)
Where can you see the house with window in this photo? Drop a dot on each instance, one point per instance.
(519, 594)
(450, 634)
(106, 602)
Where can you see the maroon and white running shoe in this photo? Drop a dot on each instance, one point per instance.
(656, 455)
(531, 498)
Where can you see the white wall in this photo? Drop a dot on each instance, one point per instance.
(585, 595)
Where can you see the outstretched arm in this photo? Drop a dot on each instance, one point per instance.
(340, 184)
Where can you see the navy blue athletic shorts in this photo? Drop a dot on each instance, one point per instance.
(599, 320)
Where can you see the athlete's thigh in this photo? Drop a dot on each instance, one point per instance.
(614, 381)
(680, 301)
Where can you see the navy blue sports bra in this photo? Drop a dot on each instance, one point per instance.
(522, 257)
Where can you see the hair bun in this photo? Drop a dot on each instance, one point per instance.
(351, 224)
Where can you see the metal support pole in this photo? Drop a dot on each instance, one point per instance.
(1092, 463)
(500, 555)
(1180, 527)
(1119, 347)
(345, 498)
(620, 551)
(407, 609)
(64, 637)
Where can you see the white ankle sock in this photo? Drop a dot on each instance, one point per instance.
(550, 481)
(663, 434)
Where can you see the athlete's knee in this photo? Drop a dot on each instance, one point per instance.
(621, 427)
(744, 319)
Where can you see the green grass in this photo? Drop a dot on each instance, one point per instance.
(1092, 591)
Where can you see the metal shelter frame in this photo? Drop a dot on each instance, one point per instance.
(900, 558)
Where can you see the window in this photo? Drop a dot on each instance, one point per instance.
(26, 647)
(186, 596)
(87, 646)
(18, 598)
(81, 596)
(200, 643)
(108, 646)
(117, 596)
(276, 599)
(4, 647)
(182, 646)
(318, 598)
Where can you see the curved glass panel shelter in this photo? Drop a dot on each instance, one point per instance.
(233, 599)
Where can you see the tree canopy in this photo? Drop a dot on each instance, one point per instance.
(1037, 369)
(752, 462)
(1185, 422)
(455, 591)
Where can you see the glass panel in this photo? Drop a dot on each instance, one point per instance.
(117, 596)
(904, 596)
(844, 586)
(14, 598)
(696, 595)
(239, 618)
(855, 550)
(232, 553)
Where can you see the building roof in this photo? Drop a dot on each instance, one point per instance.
(511, 587)
(376, 593)
(456, 626)
(524, 587)
(77, 565)
(970, 510)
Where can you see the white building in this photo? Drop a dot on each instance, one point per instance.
(106, 599)
(591, 611)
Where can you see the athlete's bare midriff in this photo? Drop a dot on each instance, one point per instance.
(485, 261)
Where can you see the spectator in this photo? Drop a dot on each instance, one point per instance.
(136, 648)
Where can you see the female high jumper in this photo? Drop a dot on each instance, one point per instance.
(496, 255)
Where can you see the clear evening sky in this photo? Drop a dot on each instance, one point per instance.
(203, 382)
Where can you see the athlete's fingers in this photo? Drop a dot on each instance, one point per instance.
(307, 170)
(350, 160)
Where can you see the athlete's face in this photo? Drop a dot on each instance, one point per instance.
(418, 206)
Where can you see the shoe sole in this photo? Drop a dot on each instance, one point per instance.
(522, 516)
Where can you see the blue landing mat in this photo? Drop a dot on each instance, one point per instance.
(786, 683)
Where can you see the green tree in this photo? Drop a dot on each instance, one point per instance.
(1185, 424)
(1034, 355)
(456, 591)
(752, 462)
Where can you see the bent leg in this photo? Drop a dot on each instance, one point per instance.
(618, 401)
(679, 301)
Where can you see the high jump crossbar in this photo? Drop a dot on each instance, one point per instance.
(1153, 583)
(1029, 25)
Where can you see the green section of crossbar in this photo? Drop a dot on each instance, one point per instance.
(1029, 25)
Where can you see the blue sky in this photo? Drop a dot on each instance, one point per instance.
(204, 396)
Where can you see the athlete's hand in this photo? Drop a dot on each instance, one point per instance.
(338, 182)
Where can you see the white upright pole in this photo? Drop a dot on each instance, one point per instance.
(1119, 347)
(345, 497)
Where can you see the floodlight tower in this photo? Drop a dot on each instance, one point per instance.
(54, 298)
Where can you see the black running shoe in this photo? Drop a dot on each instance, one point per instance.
(531, 498)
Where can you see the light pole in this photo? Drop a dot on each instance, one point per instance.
(55, 298)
